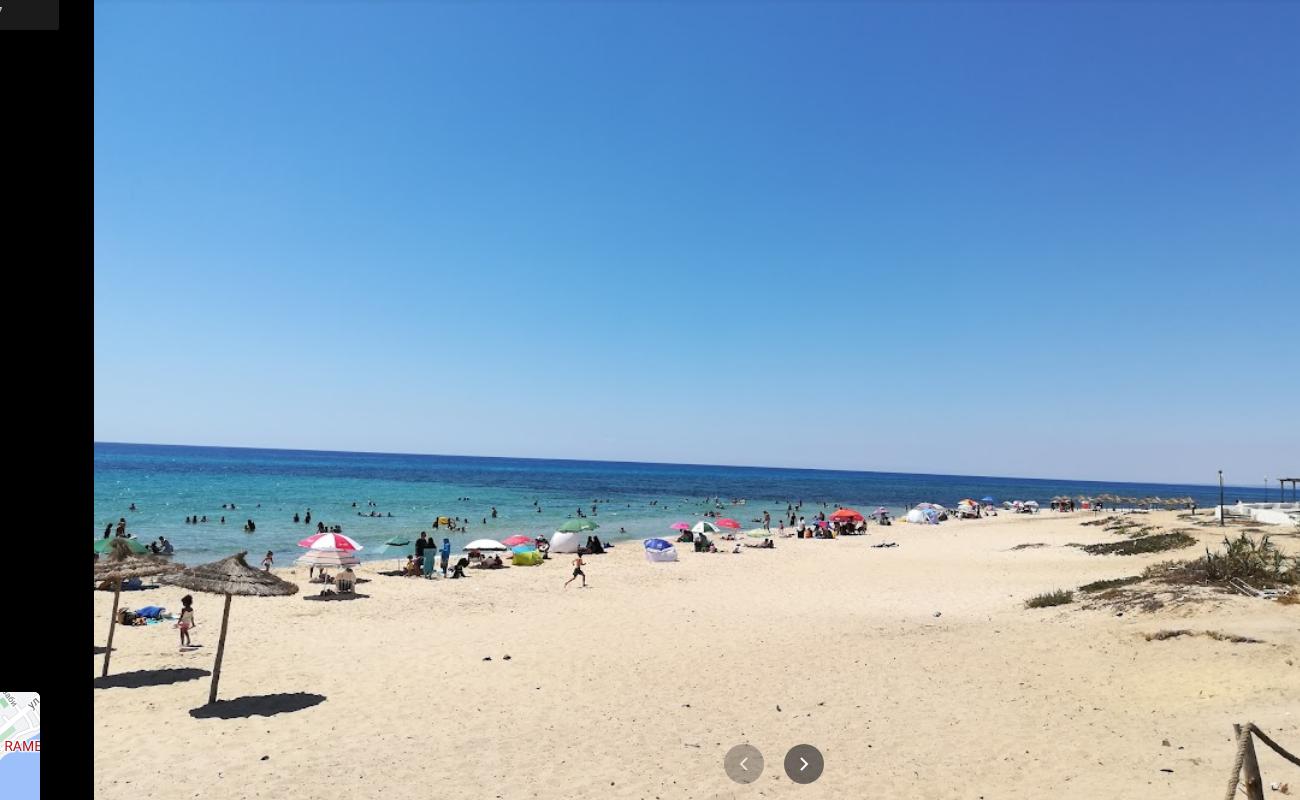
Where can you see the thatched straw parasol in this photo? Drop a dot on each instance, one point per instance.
(229, 576)
(121, 564)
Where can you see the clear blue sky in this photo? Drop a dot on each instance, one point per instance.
(1022, 239)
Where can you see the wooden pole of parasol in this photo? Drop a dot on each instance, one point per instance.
(112, 625)
(221, 650)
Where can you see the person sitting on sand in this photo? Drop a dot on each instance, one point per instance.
(496, 562)
(411, 569)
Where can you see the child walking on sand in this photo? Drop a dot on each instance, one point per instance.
(187, 619)
(577, 571)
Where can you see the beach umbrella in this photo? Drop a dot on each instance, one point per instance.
(517, 539)
(987, 499)
(330, 541)
(485, 544)
(396, 541)
(123, 563)
(133, 545)
(846, 515)
(577, 526)
(758, 533)
(658, 544)
(880, 511)
(328, 558)
(229, 576)
(703, 526)
(728, 523)
(680, 526)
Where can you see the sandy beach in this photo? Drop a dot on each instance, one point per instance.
(916, 670)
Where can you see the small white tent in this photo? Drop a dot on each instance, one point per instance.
(661, 555)
(917, 517)
(563, 542)
(660, 550)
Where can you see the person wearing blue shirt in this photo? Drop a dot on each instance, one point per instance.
(446, 555)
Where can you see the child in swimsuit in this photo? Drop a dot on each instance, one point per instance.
(187, 619)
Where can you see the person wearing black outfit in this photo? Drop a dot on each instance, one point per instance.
(420, 545)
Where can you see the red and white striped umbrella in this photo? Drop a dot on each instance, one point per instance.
(329, 541)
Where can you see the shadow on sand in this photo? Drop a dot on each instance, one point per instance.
(264, 705)
(101, 650)
(335, 596)
(150, 677)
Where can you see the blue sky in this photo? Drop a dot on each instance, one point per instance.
(1023, 239)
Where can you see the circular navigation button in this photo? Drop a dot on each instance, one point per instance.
(743, 763)
(804, 763)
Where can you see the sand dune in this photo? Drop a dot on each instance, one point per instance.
(637, 686)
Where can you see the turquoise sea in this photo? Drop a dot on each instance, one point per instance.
(532, 496)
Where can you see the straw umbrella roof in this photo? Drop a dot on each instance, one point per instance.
(229, 576)
(122, 564)
(232, 576)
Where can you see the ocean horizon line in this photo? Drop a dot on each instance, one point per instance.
(540, 459)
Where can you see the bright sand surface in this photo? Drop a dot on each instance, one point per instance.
(637, 686)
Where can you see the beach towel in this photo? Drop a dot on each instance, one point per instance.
(151, 612)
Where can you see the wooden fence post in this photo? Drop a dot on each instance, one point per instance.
(1250, 766)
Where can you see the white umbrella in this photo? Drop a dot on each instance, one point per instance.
(485, 544)
(704, 527)
(328, 558)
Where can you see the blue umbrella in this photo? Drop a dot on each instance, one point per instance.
(657, 544)
(988, 500)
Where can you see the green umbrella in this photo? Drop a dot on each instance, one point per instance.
(396, 541)
(106, 545)
(577, 526)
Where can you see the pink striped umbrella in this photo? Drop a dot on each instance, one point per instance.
(728, 523)
(329, 541)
